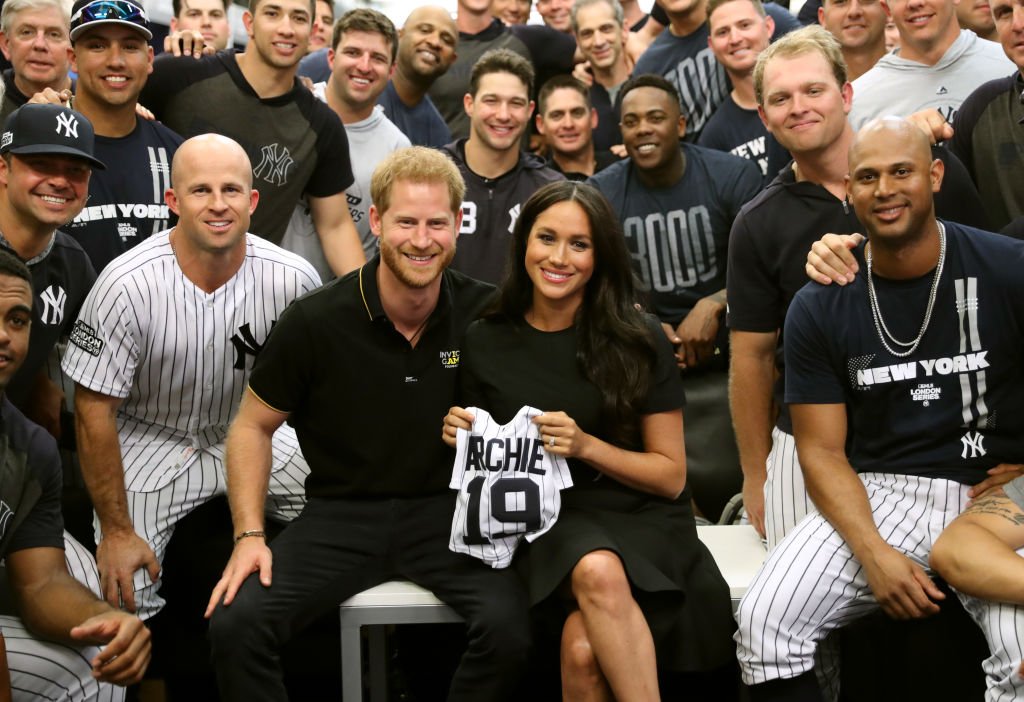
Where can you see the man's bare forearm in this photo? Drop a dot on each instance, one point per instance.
(52, 605)
(248, 464)
(99, 451)
(751, 379)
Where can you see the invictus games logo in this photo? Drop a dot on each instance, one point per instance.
(450, 359)
(274, 164)
(6, 140)
(69, 123)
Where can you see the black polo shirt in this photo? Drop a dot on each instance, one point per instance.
(367, 407)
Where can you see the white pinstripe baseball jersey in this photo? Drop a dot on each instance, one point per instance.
(509, 486)
(180, 357)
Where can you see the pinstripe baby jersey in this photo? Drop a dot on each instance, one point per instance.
(178, 356)
(508, 486)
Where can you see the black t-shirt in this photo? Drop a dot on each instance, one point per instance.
(126, 201)
(771, 236)
(952, 409)
(501, 374)
(367, 407)
(490, 209)
(607, 133)
(30, 484)
(678, 236)
(296, 143)
(61, 278)
(550, 52)
(602, 159)
(742, 133)
(988, 136)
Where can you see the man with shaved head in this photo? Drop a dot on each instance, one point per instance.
(160, 356)
(905, 387)
(426, 50)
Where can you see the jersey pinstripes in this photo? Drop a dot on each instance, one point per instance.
(812, 584)
(181, 358)
(509, 486)
(178, 356)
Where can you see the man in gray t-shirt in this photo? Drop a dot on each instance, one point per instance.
(937, 66)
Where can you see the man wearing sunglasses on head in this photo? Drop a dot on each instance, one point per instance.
(113, 60)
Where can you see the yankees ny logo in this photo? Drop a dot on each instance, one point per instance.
(245, 345)
(274, 165)
(69, 124)
(53, 299)
(973, 442)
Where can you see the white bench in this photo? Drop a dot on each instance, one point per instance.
(737, 550)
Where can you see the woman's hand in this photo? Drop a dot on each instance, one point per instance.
(561, 435)
(457, 418)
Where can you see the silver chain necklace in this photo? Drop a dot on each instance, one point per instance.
(876, 312)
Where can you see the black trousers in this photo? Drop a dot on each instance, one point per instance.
(336, 549)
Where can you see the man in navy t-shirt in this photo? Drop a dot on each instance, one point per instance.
(677, 203)
(905, 387)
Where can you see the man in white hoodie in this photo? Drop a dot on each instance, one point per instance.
(937, 65)
(362, 58)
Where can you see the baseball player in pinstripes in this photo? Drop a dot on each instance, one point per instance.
(160, 356)
(926, 419)
(69, 620)
(506, 492)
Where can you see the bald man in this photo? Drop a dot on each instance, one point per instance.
(894, 382)
(426, 50)
(160, 356)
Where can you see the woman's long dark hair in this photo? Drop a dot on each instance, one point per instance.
(614, 347)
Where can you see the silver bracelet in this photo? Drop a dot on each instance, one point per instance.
(252, 532)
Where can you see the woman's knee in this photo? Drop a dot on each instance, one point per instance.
(600, 578)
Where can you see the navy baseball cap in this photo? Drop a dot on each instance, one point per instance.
(49, 129)
(89, 13)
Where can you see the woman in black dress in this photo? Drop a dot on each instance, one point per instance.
(567, 337)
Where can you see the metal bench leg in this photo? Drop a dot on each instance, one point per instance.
(351, 664)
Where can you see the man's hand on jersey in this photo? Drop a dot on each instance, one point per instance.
(457, 418)
(561, 435)
(128, 648)
(831, 259)
(753, 503)
(698, 331)
(251, 555)
(901, 587)
(933, 124)
(187, 42)
(997, 477)
(144, 112)
(583, 73)
(118, 555)
(49, 96)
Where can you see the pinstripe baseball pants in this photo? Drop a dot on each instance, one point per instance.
(811, 584)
